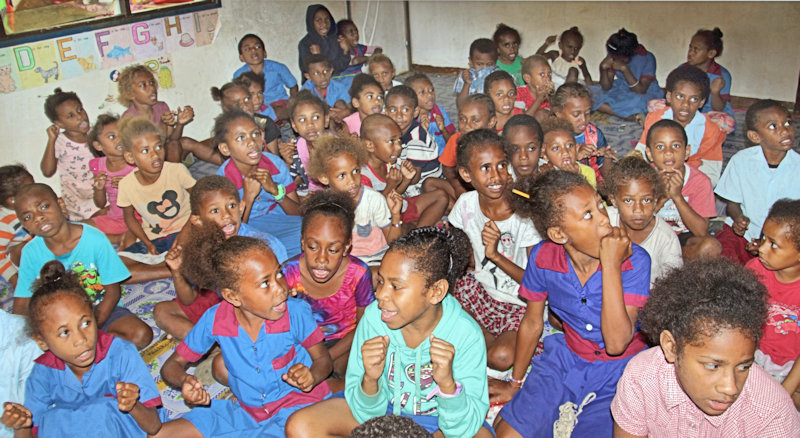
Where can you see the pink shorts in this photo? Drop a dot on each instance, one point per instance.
(411, 213)
(110, 226)
(206, 299)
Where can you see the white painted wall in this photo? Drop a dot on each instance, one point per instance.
(760, 38)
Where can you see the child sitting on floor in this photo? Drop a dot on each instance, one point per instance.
(567, 66)
(627, 78)
(589, 274)
(359, 53)
(337, 162)
(270, 343)
(508, 41)
(701, 380)
(13, 237)
(704, 48)
(634, 189)
(778, 268)
(499, 86)
(322, 39)
(477, 112)
(277, 77)
(337, 285)
(573, 102)
(560, 151)
(385, 172)
(689, 201)
(309, 117)
(382, 69)
(366, 96)
(68, 152)
(87, 378)
(237, 95)
(419, 148)
(523, 144)
(500, 242)
(108, 171)
(687, 87)
(18, 351)
(83, 250)
(482, 60)
(432, 117)
(758, 176)
(216, 215)
(420, 356)
(254, 82)
(334, 93)
(534, 98)
(262, 179)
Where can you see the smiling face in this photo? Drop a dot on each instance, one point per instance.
(325, 244)
(525, 158)
(570, 46)
(319, 73)
(667, 149)
(40, 213)
(243, 142)
(70, 332)
(343, 174)
(478, 60)
(559, 148)
(71, 117)
(145, 89)
(426, 94)
(237, 98)
(383, 72)
(147, 153)
(777, 250)
(774, 130)
(322, 22)
(584, 221)
(400, 108)
(309, 120)
(369, 101)
(685, 101)
(402, 295)
(222, 208)
(253, 52)
(635, 202)
(700, 55)
(384, 143)
(487, 171)
(577, 111)
(503, 94)
(507, 48)
(713, 370)
(108, 141)
(474, 115)
(262, 290)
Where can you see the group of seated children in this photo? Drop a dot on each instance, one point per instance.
(354, 249)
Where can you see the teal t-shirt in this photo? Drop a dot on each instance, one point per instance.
(514, 69)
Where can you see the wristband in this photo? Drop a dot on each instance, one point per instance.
(634, 84)
(516, 383)
(438, 392)
(281, 193)
(398, 225)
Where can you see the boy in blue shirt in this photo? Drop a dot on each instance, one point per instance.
(318, 80)
(276, 75)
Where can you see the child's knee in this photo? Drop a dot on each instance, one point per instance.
(141, 335)
(297, 426)
(161, 312)
(702, 248)
(500, 357)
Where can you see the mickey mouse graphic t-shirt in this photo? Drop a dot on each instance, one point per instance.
(163, 205)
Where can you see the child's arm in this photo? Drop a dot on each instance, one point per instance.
(304, 378)
(289, 202)
(410, 175)
(740, 221)
(617, 321)
(251, 188)
(136, 228)
(530, 329)
(442, 127)
(792, 381)
(293, 92)
(542, 50)
(697, 224)
(49, 162)
(717, 103)
(174, 373)
(185, 292)
(342, 348)
(175, 122)
(637, 85)
(395, 203)
(490, 237)
(451, 175)
(128, 401)
(464, 93)
(99, 187)
(17, 417)
(585, 70)
(393, 180)
(110, 300)
(607, 73)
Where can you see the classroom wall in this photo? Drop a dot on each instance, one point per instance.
(760, 38)
(281, 24)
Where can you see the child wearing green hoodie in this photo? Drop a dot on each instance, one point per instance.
(421, 356)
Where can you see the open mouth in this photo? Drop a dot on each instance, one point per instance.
(320, 274)
(280, 308)
(787, 142)
(719, 406)
(254, 155)
(45, 228)
(157, 164)
(387, 315)
(229, 229)
(495, 188)
(85, 356)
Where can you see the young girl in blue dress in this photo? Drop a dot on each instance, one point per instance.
(87, 383)
(627, 78)
(270, 343)
(595, 281)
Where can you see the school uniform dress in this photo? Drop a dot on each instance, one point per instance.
(277, 78)
(622, 100)
(264, 399)
(574, 364)
(62, 405)
(337, 90)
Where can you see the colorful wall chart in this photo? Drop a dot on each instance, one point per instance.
(46, 62)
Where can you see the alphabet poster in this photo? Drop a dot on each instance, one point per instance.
(46, 62)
